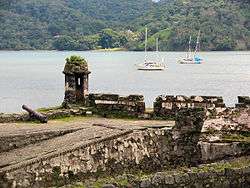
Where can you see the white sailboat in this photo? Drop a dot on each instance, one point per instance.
(151, 65)
(192, 58)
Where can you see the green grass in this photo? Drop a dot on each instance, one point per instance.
(72, 119)
(239, 163)
(49, 109)
(243, 137)
(122, 181)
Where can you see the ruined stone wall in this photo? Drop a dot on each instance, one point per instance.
(8, 118)
(132, 105)
(130, 150)
(216, 176)
(142, 149)
(126, 151)
(243, 102)
(51, 114)
(167, 106)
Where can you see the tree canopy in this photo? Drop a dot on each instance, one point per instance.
(95, 24)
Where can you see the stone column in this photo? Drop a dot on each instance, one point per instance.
(186, 134)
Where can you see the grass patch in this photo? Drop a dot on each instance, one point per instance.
(49, 109)
(126, 179)
(72, 119)
(243, 137)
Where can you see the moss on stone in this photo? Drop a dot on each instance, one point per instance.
(75, 65)
(134, 179)
(242, 137)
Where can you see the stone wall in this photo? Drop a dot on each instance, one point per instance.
(134, 106)
(105, 104)
(51, 114)
(167, 106)
(130, 150)
(216, 176)
(126, 150)
(9, 118)
(243, 102)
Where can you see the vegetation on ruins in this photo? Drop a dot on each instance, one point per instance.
(75, 64)
(126, 180)
(100, 24)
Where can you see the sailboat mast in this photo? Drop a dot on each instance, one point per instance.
(157, 49)
(197, 48)
(146, 42)
(189, 47)
(157, 45)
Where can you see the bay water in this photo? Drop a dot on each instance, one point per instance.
(35, 78)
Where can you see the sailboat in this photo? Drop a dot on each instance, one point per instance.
(151, 65)
(192, 58)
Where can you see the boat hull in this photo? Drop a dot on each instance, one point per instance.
(151, 69)
(184, 61)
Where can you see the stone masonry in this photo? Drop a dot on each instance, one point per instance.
(167, 106)
(104, 104)
(76, 80)
(111, 150)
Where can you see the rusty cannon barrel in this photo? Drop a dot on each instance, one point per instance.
(35, 115)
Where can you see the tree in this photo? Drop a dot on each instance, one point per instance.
(110, 39)
(66, 43)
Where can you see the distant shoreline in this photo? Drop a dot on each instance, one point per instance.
(111, 50)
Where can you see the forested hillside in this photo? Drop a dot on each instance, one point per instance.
(95, 24)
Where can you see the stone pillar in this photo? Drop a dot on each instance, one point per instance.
(76, 80)
(186, 134)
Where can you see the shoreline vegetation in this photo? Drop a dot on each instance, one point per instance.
(89, 25)
(110, 50)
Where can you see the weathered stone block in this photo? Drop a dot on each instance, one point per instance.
(181, 178)
(135, 98)
(169, 180)
(244, 99)
(132, 105)
(158, 179)
(145, 184)
(167, 106)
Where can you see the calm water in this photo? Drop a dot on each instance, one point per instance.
(35, 77)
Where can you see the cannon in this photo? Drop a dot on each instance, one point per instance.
(35, 115)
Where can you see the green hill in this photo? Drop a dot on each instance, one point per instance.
(94, 24)
(224, 24)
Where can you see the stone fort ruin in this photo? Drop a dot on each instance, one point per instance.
(192, 131)
(76, 80)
